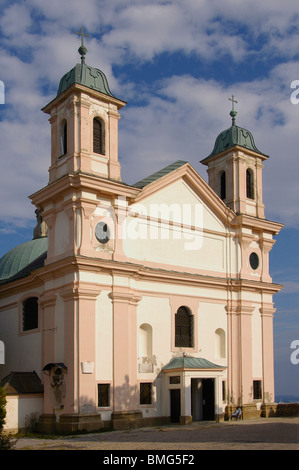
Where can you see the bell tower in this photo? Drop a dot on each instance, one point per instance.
(84, 124)
(235, 169)
(84, 172)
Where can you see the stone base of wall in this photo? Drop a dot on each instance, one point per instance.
(280, 410)
(70, 423)
(185, 419)
(249, 411)
(126, 420)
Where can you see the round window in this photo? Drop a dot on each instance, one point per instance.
(254, 260)
(102, 232)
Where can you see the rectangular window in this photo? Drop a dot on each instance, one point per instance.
(176, 379)
(145, 394)
(257, 389)
(103, 395)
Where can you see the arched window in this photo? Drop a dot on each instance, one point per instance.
(145, 340)
(249, 184)
(63, 138)
(30, 313)
(223, 185)
(98, 136)
(219, 343)
(184, 328)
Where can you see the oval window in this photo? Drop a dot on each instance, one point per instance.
(102, 232)
(254, 260)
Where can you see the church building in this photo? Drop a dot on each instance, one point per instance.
(138, 304)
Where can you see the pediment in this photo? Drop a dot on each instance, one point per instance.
(185, 186)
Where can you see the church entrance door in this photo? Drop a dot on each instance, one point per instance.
(175, 405)
(208, 399)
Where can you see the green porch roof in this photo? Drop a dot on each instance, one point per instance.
(188, 362)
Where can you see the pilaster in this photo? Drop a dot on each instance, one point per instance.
(125, 393)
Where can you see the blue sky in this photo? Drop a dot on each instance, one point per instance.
(176, 63)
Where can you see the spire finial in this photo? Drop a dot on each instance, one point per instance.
(233, 112)
(82, 49)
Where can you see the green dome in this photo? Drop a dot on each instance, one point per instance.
(235, 135)
(85, 75)
(20, 257)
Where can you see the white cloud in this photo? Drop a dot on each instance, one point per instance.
(180, 117)
(14, 19)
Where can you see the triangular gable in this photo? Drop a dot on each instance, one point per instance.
(181, 170)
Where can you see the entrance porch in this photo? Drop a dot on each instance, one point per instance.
(193, 390)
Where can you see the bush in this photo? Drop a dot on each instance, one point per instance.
(2, 407)
(6, 440)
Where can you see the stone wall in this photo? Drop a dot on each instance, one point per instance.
(280, 410)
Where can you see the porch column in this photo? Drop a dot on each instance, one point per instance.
(186, 416)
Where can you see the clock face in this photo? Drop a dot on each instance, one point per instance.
(254, 260)
(102, 232)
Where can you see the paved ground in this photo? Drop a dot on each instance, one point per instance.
(262, 434)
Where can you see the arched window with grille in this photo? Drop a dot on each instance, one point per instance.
(184, 328)
(98, 136)
(249, 184)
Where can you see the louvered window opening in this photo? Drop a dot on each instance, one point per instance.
(249, 184)
(98, 137)
(183, 328)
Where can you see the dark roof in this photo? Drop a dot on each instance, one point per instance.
(159, 174)
(19, 383)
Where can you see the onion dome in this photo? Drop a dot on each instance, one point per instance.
(232, 136)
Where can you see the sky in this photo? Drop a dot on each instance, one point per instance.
(175, 63)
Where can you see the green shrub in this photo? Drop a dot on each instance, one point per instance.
(6, 440)
(2, 407)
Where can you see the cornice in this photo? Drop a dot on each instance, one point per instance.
(77, 88)
(79, 181)
(136, 271)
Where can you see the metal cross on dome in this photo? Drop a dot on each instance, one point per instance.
(82, 49)
(233, 113)
(232, 99)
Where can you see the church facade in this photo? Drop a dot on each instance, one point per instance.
(139, 304)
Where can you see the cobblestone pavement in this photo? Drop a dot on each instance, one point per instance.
(262, 434)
